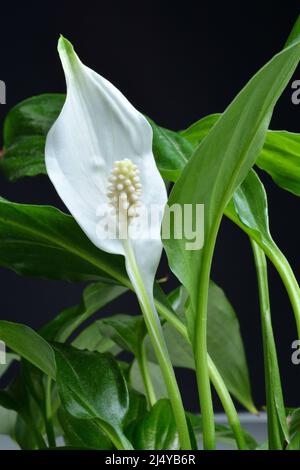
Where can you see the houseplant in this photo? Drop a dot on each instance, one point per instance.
(106, 159)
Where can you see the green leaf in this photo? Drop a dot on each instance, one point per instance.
(25, 130)
(125, 330)
(93, 340)
(82, 433)
(91, 386)
(294, 429)
(41, 241)
(222, 161)
(171, 151)
(29, 345)
(157, 380)
(137, 407)
(94, 297)
(156, 430)
(279, 157)
(294, 34)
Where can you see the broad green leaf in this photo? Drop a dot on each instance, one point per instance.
(91, 386)
(82, 433)
(94, 297)
(222, 161)
(171, 151)
(29, 345)
(41, 241)
(25, 130)
(156, 430)
(93, 340)
(126, 331)
(279, 157)
(137, 407)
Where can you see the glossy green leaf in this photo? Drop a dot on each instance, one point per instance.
(41, 241)
(91, 386)
(125, 330)
(82, 433)
(29, 345)
(94, 297)
(222, 161)
(156, 430)
(25, 130)
(137, 407)
(171, 151)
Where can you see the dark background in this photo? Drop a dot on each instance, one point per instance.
(176, 63)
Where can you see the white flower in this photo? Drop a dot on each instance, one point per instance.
(99, 154)
(99, 158)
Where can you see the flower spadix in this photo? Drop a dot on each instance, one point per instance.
(99, 158)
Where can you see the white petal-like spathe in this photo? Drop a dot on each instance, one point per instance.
(96, 127)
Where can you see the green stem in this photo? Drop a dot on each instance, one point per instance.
(280, 263)
(200, 354)
(274, 397)
(48, 414)
(156, 335)
(144, 370)
(227, 403)
(215, 378)
(289, 280)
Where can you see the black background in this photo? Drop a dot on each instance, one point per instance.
(176, 63)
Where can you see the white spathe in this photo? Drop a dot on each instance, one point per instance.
(97, 127)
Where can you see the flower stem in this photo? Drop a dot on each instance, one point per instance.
(274, 398)
(215, 378)
(48, 414)
(156, 335)
(144, 370)
(200, 353)
(289, 280)
(227, 403)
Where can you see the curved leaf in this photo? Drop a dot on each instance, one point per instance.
(42, 241)
(91, 386)
(156, 430)
(29, 345)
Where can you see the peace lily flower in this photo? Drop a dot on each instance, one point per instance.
(99, 158)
